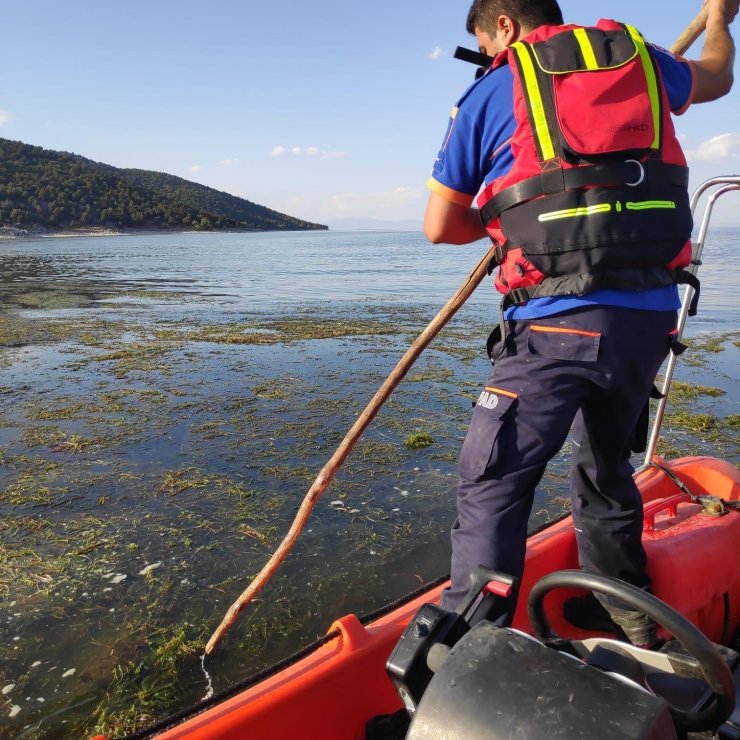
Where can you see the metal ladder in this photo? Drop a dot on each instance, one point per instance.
(724, 185)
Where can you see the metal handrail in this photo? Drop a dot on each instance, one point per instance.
(728, 183)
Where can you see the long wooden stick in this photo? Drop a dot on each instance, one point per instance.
(325, 477)
(327, 473)
(692, 32)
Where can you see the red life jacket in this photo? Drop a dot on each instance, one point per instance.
(597, 196)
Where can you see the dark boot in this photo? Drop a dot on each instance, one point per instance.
(637, 627)
(587, 613)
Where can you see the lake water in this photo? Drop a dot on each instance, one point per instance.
(261, 271)
(165, 403)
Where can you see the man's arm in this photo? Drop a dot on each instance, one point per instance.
(446, 222)
(714, 75)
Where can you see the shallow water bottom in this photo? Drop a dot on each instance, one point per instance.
(151, 462)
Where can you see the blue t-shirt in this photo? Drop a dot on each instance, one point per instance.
(477, 150)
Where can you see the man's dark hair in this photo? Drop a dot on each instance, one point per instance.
(530, 13)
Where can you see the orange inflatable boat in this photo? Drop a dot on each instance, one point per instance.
(334, 688)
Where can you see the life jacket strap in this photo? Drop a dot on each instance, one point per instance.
(517, 296)
(499, 255)
(684, 277)
(639, 441)
(676, 345)
(583, 284)
(558, 180)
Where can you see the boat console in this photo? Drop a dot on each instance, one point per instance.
(483, 681)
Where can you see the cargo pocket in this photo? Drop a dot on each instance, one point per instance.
(483, 444)
(562, 343)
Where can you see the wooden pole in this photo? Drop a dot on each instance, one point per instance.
(329, 470)
(692, 32)
(327, 473)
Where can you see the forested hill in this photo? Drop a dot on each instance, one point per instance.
(57, 190)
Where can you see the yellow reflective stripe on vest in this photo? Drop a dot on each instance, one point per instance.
(586, 49)
(651, 79)
(532, 91)
(645, 205)
(575, 212)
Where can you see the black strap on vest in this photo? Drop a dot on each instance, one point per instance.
(639, 441)
(684, 277)
(518, 296)
(558, 180)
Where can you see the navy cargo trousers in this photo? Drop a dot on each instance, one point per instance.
(594, 366)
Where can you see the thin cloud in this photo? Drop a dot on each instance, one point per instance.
(716, 148)
(5, 117)
(333, 155)
(196, 168)
(310, 151)
(229, 162)
(435, 53)
(377, 202)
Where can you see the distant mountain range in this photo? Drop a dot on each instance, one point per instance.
(42, 188)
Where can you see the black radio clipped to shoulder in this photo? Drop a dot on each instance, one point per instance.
(483, 61)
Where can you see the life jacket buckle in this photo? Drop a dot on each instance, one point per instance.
(641, 178)
(517, 296)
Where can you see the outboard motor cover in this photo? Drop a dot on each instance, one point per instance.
(499, 683)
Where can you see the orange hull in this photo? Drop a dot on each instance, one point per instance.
(335, 690)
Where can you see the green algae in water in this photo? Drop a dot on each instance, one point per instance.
(700, 424)
(701, 347)
(197, 461)
(682, 391)
(431, 374)
(419, 441)
(280, 331)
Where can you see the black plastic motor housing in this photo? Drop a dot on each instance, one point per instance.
(407, 664)
(499, 683)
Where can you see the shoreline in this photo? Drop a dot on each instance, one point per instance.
(11, 233)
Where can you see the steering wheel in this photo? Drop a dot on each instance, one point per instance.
(713, 667)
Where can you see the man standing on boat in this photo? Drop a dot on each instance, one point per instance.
(568, 141)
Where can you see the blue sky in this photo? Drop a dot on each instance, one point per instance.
(323, 110)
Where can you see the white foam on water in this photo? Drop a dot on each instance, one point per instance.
(149, 568)
(209, 680)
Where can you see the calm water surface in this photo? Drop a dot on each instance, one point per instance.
(165, 402)
(256, 270)
(262, 271)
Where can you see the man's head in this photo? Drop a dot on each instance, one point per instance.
(499, 23)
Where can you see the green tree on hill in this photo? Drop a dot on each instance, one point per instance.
(40, 187)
